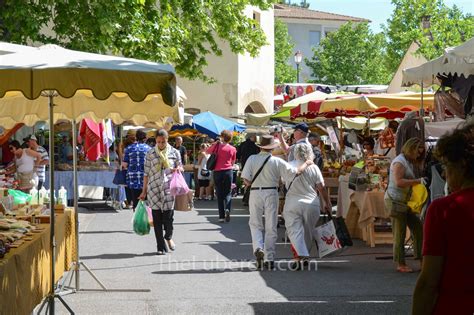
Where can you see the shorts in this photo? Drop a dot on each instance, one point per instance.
(204, 183)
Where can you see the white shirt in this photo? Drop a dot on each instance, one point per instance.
(304, 185)
(291, 151)
(271, 172)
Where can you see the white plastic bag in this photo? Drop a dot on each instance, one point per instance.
(326, 239)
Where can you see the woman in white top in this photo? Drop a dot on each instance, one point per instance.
(26, 161)
(204, 175)
(302, 204)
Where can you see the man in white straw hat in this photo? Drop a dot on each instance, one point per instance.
(262, 173)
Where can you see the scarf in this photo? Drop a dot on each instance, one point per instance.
(163, 163)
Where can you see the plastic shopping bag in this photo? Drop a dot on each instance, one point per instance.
(178, 185)
(150, 215)
(19, 197)
(326, 239)
(141, 226)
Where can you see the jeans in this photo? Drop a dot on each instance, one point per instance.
(223, 183)
(162, 220)
(399, 230)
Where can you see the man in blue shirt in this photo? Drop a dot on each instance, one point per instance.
(134, 162)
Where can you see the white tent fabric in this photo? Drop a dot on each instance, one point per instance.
(437, 129)
(458, 60)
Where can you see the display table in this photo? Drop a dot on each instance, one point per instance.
(25, 271)
(360, 209)
(86, 178)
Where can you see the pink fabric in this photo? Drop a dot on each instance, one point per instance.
(92, 139)
(225, 156)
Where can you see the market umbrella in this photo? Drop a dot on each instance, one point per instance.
(51, 71)
(212, 125)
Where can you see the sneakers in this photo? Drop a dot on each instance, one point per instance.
(259, 254)
(227, 215)
(221, 220)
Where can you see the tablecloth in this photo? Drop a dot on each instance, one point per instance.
(25, 271)
(370, 204)
(88, 178)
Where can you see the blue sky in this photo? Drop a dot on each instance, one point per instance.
(378, 11)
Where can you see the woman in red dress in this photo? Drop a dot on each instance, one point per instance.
(446, 282)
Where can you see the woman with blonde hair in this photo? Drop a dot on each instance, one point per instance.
(401, 179)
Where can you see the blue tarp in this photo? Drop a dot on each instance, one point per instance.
(211, 124)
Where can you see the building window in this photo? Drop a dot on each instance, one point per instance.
(256, 17)
(314, 38)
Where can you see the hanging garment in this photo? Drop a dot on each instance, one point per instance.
(437, 184)
(411, 127)
(91, 135)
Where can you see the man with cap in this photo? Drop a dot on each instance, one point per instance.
(41, 166)
(301, 136)
(315, 141)
(262, 173)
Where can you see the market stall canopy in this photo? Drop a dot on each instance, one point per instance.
(212, 125)
(314, 96)
(185, 130)
(14, 107)
(377, 105)
(65, 71)
(438, 129)
(458, 60)
(359, 123)
(8, 48)
(50, 67)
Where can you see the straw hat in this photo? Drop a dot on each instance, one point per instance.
(268, 142)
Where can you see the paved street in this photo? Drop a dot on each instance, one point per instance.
(211, 272)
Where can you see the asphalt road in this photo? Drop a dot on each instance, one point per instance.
(212, 272)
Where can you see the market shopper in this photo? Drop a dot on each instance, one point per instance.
(244, 151)
(182, 150)
(204, 175)
(160, 163)
(368, 146)
(134, 162)
(302, 205)
(315, 141)
(41, 168)
(223, 173)
(401, 179)
(26, 162)
(300, 135)
(262, 174)
(446, 282)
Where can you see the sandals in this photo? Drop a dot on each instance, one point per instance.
(404, 269)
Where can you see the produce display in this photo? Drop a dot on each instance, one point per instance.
(14, 232)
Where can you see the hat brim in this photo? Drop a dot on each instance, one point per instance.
(269, 146)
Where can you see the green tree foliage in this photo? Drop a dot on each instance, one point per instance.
(180, 32)
(449, 27)
(351, 55)
(284, 72)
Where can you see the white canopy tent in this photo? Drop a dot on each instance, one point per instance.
(458, 60)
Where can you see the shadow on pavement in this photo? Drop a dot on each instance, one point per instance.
(118, 256)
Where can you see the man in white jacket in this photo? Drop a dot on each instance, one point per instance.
(263, 172)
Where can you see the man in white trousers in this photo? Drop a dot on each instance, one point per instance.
(263, 199)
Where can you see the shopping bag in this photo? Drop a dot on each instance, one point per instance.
(119, 177)
(150, 215)
(326, 239)
(141, 226)
(342, 232)
(178, 185)
(19, 197)
(184, 202)
(212, 159)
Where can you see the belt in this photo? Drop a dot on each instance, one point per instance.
(263, 188)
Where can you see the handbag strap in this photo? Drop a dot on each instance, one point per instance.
(260, 169)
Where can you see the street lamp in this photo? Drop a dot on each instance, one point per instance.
(298, 59)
